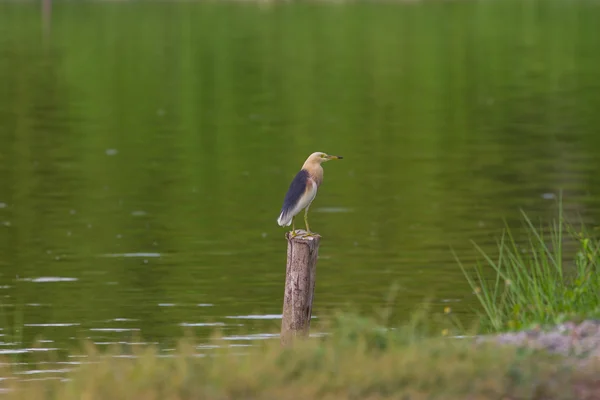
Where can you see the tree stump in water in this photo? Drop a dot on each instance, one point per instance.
(300, 276)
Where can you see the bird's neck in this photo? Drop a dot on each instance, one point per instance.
(315, 170)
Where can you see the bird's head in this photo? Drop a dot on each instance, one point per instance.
(320, 157)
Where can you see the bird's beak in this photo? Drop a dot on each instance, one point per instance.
(334, 157)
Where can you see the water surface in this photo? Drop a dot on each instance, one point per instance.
(145, 149)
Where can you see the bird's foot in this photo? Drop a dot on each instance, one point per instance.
(293, 233)
(309, 234)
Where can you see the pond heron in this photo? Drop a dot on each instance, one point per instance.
(303, 189)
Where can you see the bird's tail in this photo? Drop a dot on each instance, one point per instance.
(285, 219)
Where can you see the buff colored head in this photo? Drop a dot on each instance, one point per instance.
(320, 157)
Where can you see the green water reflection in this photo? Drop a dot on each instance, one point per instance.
(145, 149)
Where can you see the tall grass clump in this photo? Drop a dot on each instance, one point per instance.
(550, 276)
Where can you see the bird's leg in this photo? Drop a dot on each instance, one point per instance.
(308, 232)
(306, 220)
(293, 229)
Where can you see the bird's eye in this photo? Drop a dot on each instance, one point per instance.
(322, 155)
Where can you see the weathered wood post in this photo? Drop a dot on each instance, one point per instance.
(300, 276)
(46, 16)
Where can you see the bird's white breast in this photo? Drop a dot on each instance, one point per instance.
(307, 197)
(312, 191)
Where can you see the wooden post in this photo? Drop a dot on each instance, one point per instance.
(46, 16)
(300, 274)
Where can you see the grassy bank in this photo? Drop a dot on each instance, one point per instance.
(357, 361)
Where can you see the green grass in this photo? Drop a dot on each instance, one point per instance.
(357, 361)
(539, 280)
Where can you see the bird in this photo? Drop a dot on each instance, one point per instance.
(303, 189)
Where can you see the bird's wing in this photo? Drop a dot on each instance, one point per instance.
(297, 188)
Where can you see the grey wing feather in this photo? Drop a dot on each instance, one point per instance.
(295, 191)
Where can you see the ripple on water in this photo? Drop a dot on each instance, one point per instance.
(122, 342)
(266, 316)
(47, 279)
(114, 329)
(191, 324)
(122, 320)
(28, 350)
(128, 255)
(255, 336)
(45, 371)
